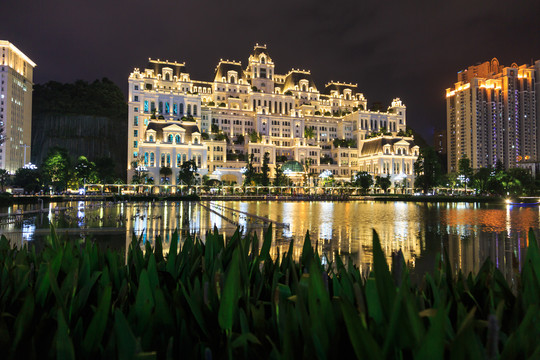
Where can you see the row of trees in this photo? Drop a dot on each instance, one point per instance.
(60, 172)
(485, 181)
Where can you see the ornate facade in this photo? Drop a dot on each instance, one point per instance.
(254, 110)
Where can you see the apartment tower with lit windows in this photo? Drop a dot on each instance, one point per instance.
(16, 82)
(492, 116)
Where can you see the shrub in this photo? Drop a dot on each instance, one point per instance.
(227, 298)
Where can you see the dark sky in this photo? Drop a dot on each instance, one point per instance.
(406, 49)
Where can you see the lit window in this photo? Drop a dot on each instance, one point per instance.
(146, 106)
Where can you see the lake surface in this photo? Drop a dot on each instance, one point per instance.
(468, 232)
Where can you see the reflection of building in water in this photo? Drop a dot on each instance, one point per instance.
(346, 229)
(498, 234)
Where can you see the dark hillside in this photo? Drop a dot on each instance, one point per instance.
(85, 118)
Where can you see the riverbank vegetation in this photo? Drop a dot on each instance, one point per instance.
(483, 181)
(228, 298)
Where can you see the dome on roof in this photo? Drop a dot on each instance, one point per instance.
(293, 166)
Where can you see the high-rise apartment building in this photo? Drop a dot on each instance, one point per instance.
(16, 82)
(492, 115)
(249, 111)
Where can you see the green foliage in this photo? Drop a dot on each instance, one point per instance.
(105, 170)
(85, 171)
(427, 170)
(326, 160)
(4, 178)
(344, 143)
(364, 180)
(280, 179)
(239, 139)
(464, 166)
(383, 182)
(288, 92)
(309, 133)
(56, 168)
(28, 179)
(227, 298)
(186, 174)
(265, 170)
(250, 175)
(255, 137)
(165, 172)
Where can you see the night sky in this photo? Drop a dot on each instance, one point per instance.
(408, 49)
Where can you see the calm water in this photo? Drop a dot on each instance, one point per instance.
(469, 232)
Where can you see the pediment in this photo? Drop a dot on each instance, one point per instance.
(174, 128)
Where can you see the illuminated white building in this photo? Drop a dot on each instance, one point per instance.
(492, 115)
(16, 82)
(259, 111)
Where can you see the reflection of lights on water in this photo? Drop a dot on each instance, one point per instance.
(401, 225)
(325, 231)
(80, 213)
(28, 230)
(462, 205)
(508, 220)
(324, 260)
(287, 218)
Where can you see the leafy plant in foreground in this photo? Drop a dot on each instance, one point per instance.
(227, 298)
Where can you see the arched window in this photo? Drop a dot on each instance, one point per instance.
(199, 158)
(170, 138)
(152, 159)
(263, 60)
(167, 77)
(151, 138)
(168, 160)
(184, 158)
(195, 140)
(178, 139)
(194, 110)
(152, 106)
(146, 159)
(181, 109)
(167, 109)
(178, 160)
(233, 79)
(189, 109)
(161, 107)
(175, 109)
